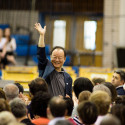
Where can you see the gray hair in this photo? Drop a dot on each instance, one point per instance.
(102, 88)
(110, 120)
(18, 108)
(6, 118)
(11, 91)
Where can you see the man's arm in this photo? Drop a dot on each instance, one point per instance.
(42, 61)
(42, 32)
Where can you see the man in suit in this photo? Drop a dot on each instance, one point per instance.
(118, 80)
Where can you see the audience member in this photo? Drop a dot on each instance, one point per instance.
(59, 82)
(69, 107)
(2, 94)
(4, 106)
(102, 101)
(6, 118)
(56, 110)
(19, 110)
(84, 96)
(10, 47)
(11, 91)
(63, 122)
(39, 108)
(88, 112)
(2, 48)
(110, 120)
(112, 90)
(80, 84)
(102, 87)
(36, 85)
(118, 80)
(97, 81)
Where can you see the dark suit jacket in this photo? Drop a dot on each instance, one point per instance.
(46, 68)
(120, 90)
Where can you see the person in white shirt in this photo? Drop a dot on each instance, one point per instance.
(2, 48)
(10, 47)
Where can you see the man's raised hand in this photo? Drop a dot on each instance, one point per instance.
(39, 28)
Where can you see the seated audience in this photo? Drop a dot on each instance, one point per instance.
(11, 91)
(118, 110)
(39, 108)
(2, 94)
(118, 80)
(19, 110)
(110, 120)
(69, 106)
(80, 84)
(10, 48)
(63, 122)
(102, 101)
(4, 106)
(88, 112)
(112, 90)
(36, 85)
(83, 96)
(97, 81)
(6, 118)
(102, 87)
(2, 49)
(56, 110)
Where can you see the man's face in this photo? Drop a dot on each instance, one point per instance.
(116, 80)
(58, 58)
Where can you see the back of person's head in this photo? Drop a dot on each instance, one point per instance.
(6, 118)
(102, 87)
(88, 112)
(110, 120)
(16, 123)
(18, 108)
(39, 103)
(97, 81)
(102, 101)
(11, 91)
(38, 84)
(82, 84)
(2, 94)
(57, 107)
(20, 87)
(69, 105)
(118, 111)
(112, 90)
(84, 96)
(4, 106)
(63, 122)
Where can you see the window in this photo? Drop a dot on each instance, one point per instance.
(59, 34)
(90, 34)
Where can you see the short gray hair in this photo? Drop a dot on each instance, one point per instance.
(102, 87)
(18, 108)
(11, 91)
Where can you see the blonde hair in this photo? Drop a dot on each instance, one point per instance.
(6, 118)
(102, 101)
(84, 95)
